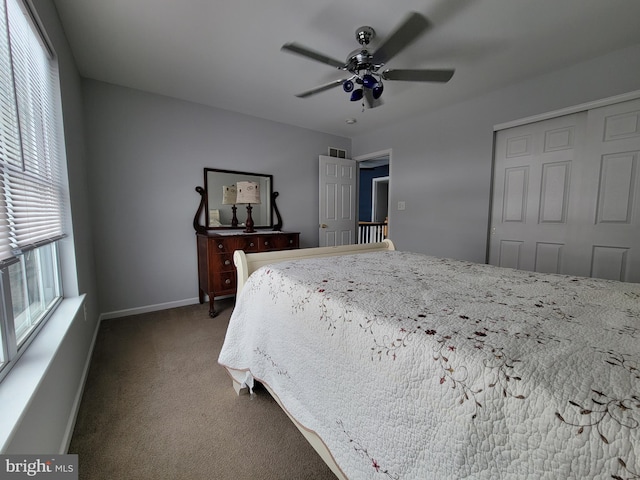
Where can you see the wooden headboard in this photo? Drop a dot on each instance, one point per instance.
(247, 263)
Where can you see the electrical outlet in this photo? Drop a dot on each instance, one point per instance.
(401, 206)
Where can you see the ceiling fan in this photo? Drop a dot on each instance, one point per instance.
(365, 81)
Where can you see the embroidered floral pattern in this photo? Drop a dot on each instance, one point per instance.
(556, 349)
(362, 451)
(277, 368)
(628, 473)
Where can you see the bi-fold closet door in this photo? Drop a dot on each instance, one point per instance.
(566, 194)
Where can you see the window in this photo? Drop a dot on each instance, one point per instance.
(31, 193)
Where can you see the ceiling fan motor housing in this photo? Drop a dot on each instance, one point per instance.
(360, 60)
(364, 35)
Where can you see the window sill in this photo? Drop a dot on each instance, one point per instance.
(21, 383)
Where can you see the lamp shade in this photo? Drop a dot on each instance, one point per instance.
(229, 195)
(248, 192)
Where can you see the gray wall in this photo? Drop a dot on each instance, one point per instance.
(441, 162)
(147, 154)
(46, 425)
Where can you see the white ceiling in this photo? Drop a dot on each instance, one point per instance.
(226, 53)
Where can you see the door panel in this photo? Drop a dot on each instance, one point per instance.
(515, 194)
(609, 262)
(548, 257)
(554, 192)
(510, 253)
(338, 189)
(613, 152)
(533, 193)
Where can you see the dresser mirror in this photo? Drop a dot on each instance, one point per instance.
(218, 201)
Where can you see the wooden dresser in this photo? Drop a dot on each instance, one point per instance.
(216, 271)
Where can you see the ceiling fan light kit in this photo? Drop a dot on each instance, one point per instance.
(364, 66)
(369, 81)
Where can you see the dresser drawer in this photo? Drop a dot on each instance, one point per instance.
(224, 283)
(250, 243)
(278, 241)
(222, 245)
(222, 262)
(288, 241)
(267, 243)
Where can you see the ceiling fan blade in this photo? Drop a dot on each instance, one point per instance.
(313, 55)
(441, 76)
(411, 28)
(321, 88)
(371, 102)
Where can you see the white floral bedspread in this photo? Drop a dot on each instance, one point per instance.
(413, 367)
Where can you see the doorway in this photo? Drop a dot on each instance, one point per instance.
(373, 196)
(380, 199)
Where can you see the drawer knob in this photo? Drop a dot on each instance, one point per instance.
(291, 240)
(251, 244)
(266, 242)
(220, 246)
(227, 262)
(227, 281)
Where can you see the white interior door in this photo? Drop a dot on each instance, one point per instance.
(338, 194)
(567, 195)
(612, 213)
(533, 179)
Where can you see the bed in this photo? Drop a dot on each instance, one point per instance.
(404, 366)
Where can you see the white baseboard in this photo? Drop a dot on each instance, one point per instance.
(148, 308)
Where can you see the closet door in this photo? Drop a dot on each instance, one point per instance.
(611, 212)
(535, 176)
(567, 195)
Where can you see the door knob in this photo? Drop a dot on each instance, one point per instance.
(324, 225)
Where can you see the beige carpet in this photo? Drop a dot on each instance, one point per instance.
(158, 406)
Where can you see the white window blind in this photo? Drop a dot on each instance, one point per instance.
(30, 184)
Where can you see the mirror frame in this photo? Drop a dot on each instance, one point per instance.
(234, 177)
